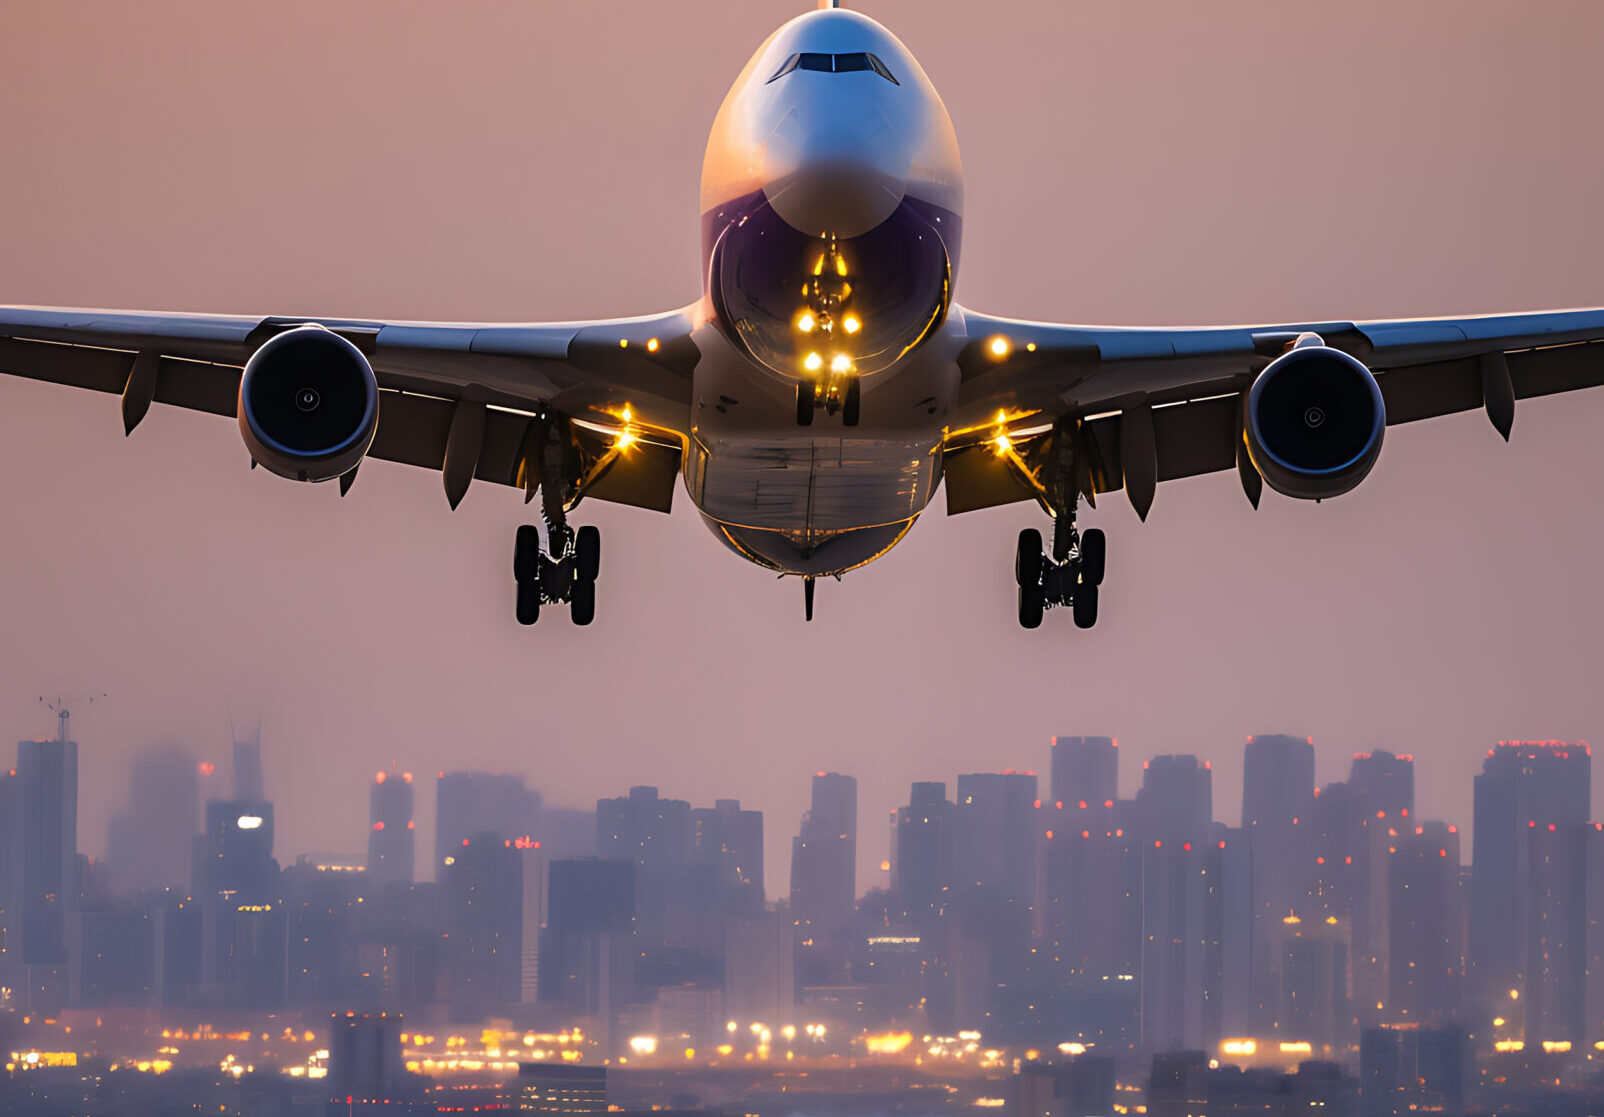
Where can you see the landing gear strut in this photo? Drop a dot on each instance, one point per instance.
(565, 571)
(1071, 574)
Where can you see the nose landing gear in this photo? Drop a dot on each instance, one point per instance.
(842, 394)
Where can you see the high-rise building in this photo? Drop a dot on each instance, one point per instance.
(561, 1088)
(588, 956)
(1406, 1069)
(994, 820)
(248, 769)
(1426, 916)
(391, 831)
(731, 841)
(1084, 768)
(922, 862)
(824, 863)
(534, 914)
(365, 1057)
(47, 786)
(1176, 800)
(483, 892)
(149, 842)
(1526, 790)
(1277, 799)
(469, 803)
(657, 835)
(236, 862)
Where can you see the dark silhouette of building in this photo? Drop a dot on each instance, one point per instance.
(731, 841)
(47, 775)
(994, 819)
(1407, 1069)
(483, 893)
(1084, 768)
(588, 954)
(365, 1058)
(468, 803)
(1426, 914)
(1525, 792)
(923, 856)
(1082, 1086)
(1277, 799)
(557, 1088)
(150, 842)
(824, 871)
(248, 769)
(656, 834)
(391, 831)
(1183, 907)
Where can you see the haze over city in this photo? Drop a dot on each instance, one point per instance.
(1142, 164)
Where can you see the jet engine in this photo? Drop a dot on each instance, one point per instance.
(308, 404)
(1314, 421)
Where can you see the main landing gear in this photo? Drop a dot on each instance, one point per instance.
(1070, 576)
(564, 573)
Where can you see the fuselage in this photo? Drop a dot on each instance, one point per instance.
(832, 198)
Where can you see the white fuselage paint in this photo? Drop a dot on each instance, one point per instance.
(815, 154)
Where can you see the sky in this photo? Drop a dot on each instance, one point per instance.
(1137, 163)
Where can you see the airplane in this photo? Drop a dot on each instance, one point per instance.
(826, 382)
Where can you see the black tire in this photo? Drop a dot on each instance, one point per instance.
(1028, 560)
(526, 554)
(854, 403)
(804, 404)
(1031, 603)
(587, 553)
(1093, 556)
(582, 607)
(528, 601)
(1085, 606)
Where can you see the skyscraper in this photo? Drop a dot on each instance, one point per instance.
(47, 775)
(483, 888)
(468, 803)
(391, 833)
(1277, 798)
(1084, 768)
(922, 862)
(1176, 800)
(1525, 788)
(248, 769)
(731, 841)
(994, 818)
(656, 834)
(824, 862)
(149, 842)
(1426, 917)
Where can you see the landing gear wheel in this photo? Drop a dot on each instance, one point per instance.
(528, 601)
(526, 554)
(854, 403)
(1028, 563)
(1031, 602)
(587, 553)
(804, 404)
(1085, 605)
(582, 607)
(1093, 556)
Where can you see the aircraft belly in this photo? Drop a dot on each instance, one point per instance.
(817, 485)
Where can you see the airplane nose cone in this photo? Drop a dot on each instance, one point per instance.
(836, 195)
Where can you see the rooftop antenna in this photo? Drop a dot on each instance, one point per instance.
(63, 714)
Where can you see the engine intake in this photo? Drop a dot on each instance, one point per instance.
(308, 404)
(1314, 422)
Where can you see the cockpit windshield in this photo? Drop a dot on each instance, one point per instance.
(835, 63)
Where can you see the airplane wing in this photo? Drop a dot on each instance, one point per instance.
(461, 398)
(1155, 404)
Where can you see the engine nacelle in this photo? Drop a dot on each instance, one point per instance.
(308, 404)
(1314, 422)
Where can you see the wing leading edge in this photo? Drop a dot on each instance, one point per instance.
(1156, 404)
(515, 375)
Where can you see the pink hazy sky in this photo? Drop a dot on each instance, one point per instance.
(1139, 162)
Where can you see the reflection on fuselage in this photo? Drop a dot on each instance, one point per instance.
(831, 229)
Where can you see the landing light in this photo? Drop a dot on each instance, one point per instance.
(851, 324)
(805, 323)
(841, 363)
(1000, 347)
(813, 362)
(1003, 444)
